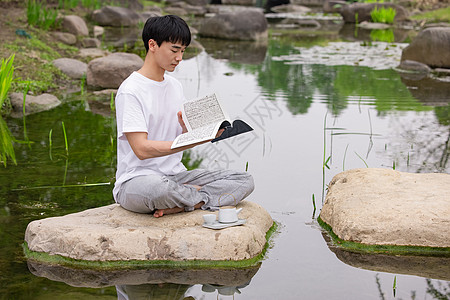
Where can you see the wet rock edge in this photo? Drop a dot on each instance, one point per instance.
(138, 264)
(383, 249)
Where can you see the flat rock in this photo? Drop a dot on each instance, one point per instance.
(111, 233)
(387, 207)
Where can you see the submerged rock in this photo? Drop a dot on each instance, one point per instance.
(386, 207)
(111, 233)
(33, 104)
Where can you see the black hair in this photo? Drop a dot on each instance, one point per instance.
(168, 28)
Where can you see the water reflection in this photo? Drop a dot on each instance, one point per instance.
(150, 283)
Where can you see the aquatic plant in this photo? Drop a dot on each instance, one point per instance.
(314, 206)
(394, 286)
(6, 77)
(6, 143)
(111, 103)
(383, 15)
(6, 138)
(65, 138)
(50, 143)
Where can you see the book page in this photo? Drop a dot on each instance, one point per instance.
(203, 111)
(204, 133)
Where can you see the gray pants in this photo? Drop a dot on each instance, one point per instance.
(144, 194)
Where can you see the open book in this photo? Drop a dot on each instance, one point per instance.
(204, 117)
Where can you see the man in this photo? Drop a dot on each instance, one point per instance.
(150, 177)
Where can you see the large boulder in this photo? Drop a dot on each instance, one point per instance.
(71, 67)
(75, 25)
(111, 70)
(243, 24)
(33, 104)
(387, 207)
(362, 10)
(115, 16)
(431, 47)
(111, 233)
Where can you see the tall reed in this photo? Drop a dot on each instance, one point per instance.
(6, 77)
(6, 138)
(6, 143)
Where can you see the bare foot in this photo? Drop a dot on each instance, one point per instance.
(167, 211)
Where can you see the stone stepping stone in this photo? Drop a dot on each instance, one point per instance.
(387, 207)
(111, 233)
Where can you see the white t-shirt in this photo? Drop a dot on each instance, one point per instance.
(145, 105)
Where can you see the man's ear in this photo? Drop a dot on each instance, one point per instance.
(152, 45)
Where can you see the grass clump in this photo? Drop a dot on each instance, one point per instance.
(383, 15)
(40, 16)
(434, 16)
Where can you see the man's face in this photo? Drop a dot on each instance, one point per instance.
(169, 55)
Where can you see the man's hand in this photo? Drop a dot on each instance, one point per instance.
(180, 120)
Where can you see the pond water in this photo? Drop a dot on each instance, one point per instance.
(304, 109)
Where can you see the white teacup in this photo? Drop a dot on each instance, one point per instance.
(228, 214)
(209, 218)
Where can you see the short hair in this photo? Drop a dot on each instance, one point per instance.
(168, 28)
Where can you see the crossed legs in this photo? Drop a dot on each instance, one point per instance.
(186, 191)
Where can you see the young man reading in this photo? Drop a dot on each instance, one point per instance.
(150, 177)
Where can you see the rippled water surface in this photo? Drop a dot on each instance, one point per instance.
(304, 108)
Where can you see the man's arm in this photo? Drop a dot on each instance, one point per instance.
(144, 148)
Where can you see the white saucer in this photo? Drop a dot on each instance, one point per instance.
(218, 225)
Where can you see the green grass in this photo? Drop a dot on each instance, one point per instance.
(439, 15)
(33, 61)
(384, 249)
(138, 264)
(38, 15)
(383, 15)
